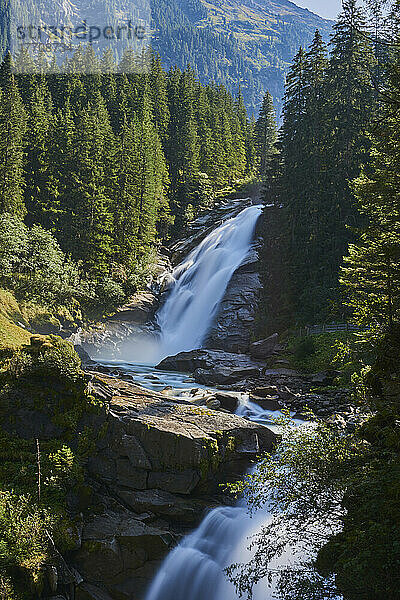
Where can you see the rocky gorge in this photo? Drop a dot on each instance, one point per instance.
(155, 472)
(162, 451)
(135, 322)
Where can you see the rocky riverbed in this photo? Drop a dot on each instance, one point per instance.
(156, 471)
(270, 388)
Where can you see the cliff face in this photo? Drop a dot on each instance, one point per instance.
(235, 321)
(156, 468)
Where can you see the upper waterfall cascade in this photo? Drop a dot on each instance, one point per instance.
(201, 281)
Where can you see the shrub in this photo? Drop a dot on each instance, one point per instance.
(47, 357)
(24, 544)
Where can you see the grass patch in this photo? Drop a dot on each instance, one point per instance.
(12, 335)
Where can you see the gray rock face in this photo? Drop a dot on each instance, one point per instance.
(264, 349)
(211, 367)
(160, 458)
(116, 546)
(161, 443)
(164, 504)
(139, 310)
(235, 319)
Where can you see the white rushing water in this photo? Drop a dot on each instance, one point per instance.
(194, 570)
(201, 281)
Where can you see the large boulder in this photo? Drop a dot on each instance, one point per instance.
(164, 504)
(160, 457)
(265, 349)
(139, 310)
(116, 545)
(156, 442)
(212, 367)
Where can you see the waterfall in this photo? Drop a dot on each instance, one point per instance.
(194, 570)
(201, 281)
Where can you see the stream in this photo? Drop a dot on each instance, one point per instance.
(194, 570)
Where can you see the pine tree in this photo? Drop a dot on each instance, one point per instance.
(159, 96)
(266, 134)
(38, 158)
(86, 215)
(371, 274)
(12, 131)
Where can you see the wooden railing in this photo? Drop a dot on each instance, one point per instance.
(326, 328)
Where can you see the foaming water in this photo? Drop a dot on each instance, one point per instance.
(194, 570)
(200, 284)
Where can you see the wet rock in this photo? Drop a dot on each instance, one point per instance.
(166, 282)
(164, 504)
(203, 225)
(222, 375)
(182, 482)
(212, 367)
(324, 379)
(115, 542)
(169, 444)
(83, 355)
(234, 322)
(228, 401)
(264, 391)
(88, 591)
(213, 404)
(267, 403)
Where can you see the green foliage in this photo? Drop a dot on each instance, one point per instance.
(43, 383)
(329, 104)
(365, 554)
(250, 46)
(301, 485)
(12, 131)
(46, 358)
(266, 135)
(371, 272)
(24, 545)
(327, 351)
(106, 166)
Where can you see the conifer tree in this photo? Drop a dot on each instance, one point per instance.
(12, 131)
(159, 96)
(38, 157)
(266, 134)
(371, 274)
(86, 221)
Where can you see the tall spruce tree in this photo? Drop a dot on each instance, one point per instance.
(266, 135)
(371, 274)
(38, 157)
(13, 122)
(86, 205)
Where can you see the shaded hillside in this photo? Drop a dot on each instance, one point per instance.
(247, 42)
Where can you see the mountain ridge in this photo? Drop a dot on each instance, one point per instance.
(236, 42)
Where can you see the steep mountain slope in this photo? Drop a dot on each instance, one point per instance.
(246, 42)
